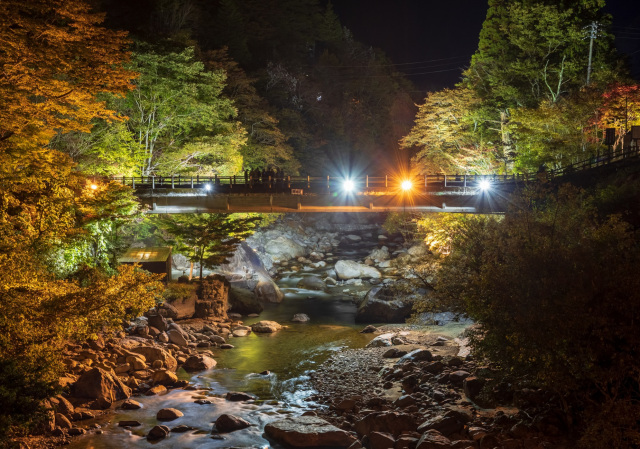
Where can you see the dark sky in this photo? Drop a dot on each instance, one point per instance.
(432, 40)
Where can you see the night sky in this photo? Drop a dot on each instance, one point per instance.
(433, 40)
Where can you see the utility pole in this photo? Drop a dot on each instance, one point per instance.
(592, 31)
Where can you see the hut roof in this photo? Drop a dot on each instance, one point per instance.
(150, 254)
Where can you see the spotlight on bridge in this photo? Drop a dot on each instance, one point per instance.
(348, 185)
(484, 185)
(406, 185)
(207, 186)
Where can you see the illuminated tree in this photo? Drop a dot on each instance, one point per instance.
(55, 58)
(620, 109)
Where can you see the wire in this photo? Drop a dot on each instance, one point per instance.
(400, 63)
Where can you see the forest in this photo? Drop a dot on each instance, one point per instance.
(104, 88)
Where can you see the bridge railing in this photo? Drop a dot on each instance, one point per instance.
(319, 184)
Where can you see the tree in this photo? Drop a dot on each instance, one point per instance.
(620, 109)
(207, 239)
(448, 134)
(178, 114)
(55, 58)
(554, 289)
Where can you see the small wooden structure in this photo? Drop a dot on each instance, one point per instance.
(155, 259)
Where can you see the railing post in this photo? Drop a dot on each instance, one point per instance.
(367, 182)
(308, 181)
(386, 181)
(445, 180)
(328, 187)
(172, 183)
(465, 182)
(198, 179)
(124, 181)
(133, 182)
(153, 182)
(289, 182)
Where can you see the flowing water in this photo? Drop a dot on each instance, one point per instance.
(288, 356)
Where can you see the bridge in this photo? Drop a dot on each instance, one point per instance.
(475, 194)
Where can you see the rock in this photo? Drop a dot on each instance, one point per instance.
(308, 431)
(312, 283)
(158, 321)
(379, 254)
(226, 346)
(64, 406)
(393, 353)
(390, 422)
(432, 439)
(266, 327)
(81, 416)
(405, 401)
(244, 301)
(168, 414)
(458, 377)
(198, 362)
(282, 248)
(229, 423)
(381, 440)
(238, 396)
(164, 377)
(349, 269)
(130, 404)
(267, 290)
(369, 329)
(136, 362)
(300, 318)
(182, 428)
(158, 433)
(381, 305)
(102, 386)
(417, 355)
(418, 250)
(129, 423)
(176, 337)
(446, 425)
(345, 405)
(62, 421)
(153, 353)
(158, 389)
(472, 386)
(75, 431)
(241, 332)
(381, 341)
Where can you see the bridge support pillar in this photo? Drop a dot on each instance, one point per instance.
(371, 206)
(228, 204)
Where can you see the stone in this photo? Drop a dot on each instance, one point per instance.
(349, 269)
(308, 431)
(446, 425)
(153, 353)
(64, 406)
(178, 338)
(266, 290)
(101, 386)
(226, 346)
(241, 332)
(230, 423)
(418, 250)
(182, 428)
(129, 423)
(164, 377)
(381, 341)
(369, 329)
(168, 414)
(417, 355)
(244, 301)
(158, 433)
(136, 362)
(130, 404)
(381, 305)
(472, 386)
(81, 416)
(379, 254)
(198, 362)
(457, 377)
(62, 421)
(283, 248)
(390, 422)
(300, 318)
(158, 389)
(158, 321)
(432, 439)
(238, 396)
(76, 431)
(312, 283)
(394, 353)
(266, 327)
(381, 440)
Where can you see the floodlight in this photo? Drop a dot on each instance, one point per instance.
(94, 187)
(348, 185)
(484, 185)
(406, 185)
(207, 186)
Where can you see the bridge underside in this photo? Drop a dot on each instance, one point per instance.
(196, 201)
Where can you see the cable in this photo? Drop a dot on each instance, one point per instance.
(400, 63)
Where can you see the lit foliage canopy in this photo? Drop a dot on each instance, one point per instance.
(55, 59)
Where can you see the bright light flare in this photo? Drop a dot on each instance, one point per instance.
(484, 185)
(406, 185)
(207, 186)
(348, 185)
(94, 187)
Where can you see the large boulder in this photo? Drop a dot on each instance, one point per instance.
(265, 327)
(283, 248)
(229, 423)
(389, 422)
(178, 338)
(308, 431)
(379, 254)
(350, 269)
(244, 301)
(380, 305)
(153, 353)
(101, 386)
(267, 290)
